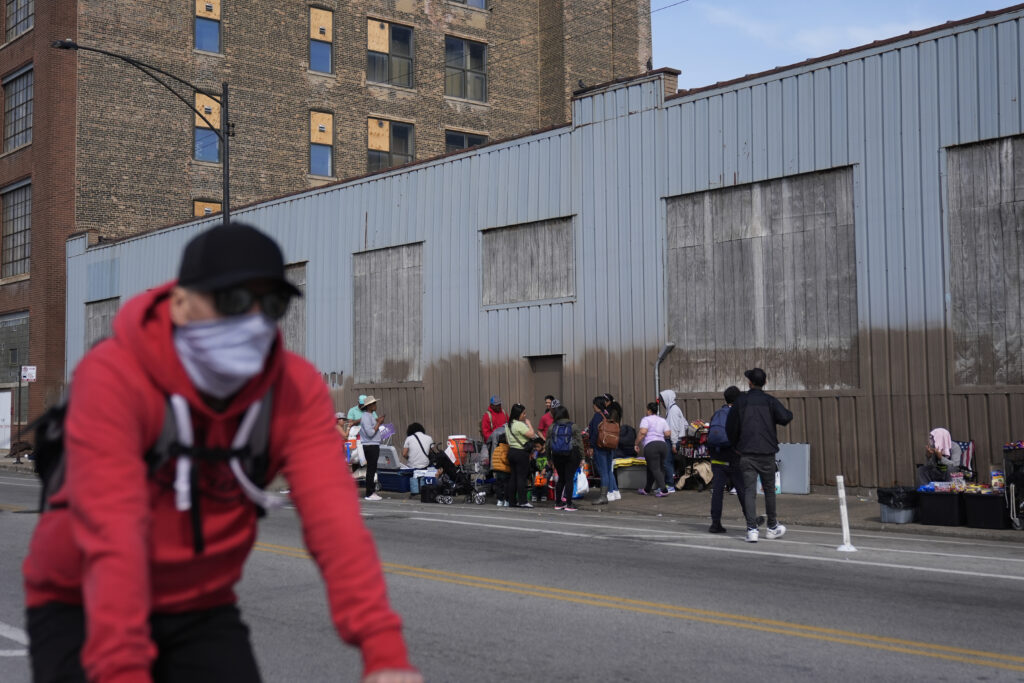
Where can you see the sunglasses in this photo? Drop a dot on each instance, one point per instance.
(239, 301)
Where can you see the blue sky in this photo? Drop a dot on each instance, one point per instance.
(717, 40)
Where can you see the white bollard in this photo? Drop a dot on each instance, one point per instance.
(846, 547)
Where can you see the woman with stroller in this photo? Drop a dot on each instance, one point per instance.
(520, 434)
(564, 448)
(651, 436)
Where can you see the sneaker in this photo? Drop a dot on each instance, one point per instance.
(618, 494)
(659, 494)
(373, 496)
(500, 503)
(732, 492)
(570, 508)
(642, 492)
(560, 506)
(671, 489)
(504, 504)
(751, 535)
(526, 505)
(716, 528)
(777, 531)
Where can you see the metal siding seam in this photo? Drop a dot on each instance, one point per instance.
(988, 83)
(759, 132)
(1009, 79)
(949, 102)
(874, 177)
(967, 70)
(822, 119)
(730, 134)
(790, 126)
(805, 121)
(687, 147)
(913, 229)
(702, 138)
(893, 227)
(672, 137)
(839, 132)
(744, 137)
(714, 141)
(773, 106)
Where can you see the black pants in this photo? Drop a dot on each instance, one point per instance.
(372, 453)
(655, 453)
(722, 475)
(566, 465)
(519, 479)
(761, 467)
(208, 646)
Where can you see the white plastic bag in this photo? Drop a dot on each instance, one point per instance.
(581, 486)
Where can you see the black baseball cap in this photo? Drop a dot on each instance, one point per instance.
(229, 255)
(757, 376)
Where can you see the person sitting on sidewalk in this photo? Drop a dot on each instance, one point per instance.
(751, 427)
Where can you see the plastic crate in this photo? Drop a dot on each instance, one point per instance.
(397, 482)
(986, 511)
(631, 476)
(941, 509)
(891, 515)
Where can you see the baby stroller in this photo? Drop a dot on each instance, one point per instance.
(453, 480)
(1013, 469)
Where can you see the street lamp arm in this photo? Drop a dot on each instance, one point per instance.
(147, 69)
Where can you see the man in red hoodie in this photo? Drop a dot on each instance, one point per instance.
(493, 418)
(130, 575)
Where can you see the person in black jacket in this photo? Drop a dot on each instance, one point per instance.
(751, 429)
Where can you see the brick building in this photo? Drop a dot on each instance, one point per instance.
(320, 90)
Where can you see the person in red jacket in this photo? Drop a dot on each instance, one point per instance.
(125, 581)
(493, 418)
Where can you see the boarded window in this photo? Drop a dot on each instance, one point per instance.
(764, 274)
(293, 326)
(529, 262)
(986, 250)
(99, 320)
(387, 290)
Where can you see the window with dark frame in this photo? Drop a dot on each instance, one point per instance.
(206, 143)
(321, 35)
(12, 356)
(465, 69)
(321, 144)
(21, 16)
(18, 105)
(207, 27)
(389, 144)
(17, 230)
(456, 140)
(389, 56)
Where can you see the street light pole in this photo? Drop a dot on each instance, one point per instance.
(223, 134)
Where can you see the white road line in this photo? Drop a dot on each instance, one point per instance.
(688, 534)
(28, 486)
(13, 653)
(697, 546)
(13, 633)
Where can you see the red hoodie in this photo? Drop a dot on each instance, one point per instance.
(124, 551)
(491, 420)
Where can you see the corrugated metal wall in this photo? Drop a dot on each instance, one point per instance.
(887, 112)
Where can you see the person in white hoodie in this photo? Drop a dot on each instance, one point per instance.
(678, 424)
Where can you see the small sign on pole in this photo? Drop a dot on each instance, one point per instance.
(28, 373)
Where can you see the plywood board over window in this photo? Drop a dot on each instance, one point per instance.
(208, 9)
(387, 289)
(378, 132)
(377, 37)
(210, 109)
(764, 274)
(321, 24)
(517, 263)
(986, 262)
(99, 320)
(293, 325)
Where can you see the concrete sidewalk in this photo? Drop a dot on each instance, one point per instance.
(820, 508)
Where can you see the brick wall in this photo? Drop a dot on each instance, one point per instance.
(135, 141)
(49, 162)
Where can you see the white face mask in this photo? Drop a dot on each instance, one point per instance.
(220, 356)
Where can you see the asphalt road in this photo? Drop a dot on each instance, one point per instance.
(492, 594)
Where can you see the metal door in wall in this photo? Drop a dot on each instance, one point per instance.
(546, 376)
(5, 419)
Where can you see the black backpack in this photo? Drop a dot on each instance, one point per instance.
(249, 460)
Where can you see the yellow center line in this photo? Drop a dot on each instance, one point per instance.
(10, 508)
(961, 655)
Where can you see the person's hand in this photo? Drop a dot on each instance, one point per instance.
(393, 676)
(636, 447)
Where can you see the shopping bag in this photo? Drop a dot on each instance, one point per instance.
(580, 487)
